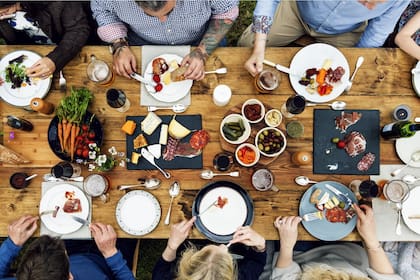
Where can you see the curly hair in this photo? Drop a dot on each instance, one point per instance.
(324, 273)
(206, 264)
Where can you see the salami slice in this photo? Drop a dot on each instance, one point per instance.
(366, 162)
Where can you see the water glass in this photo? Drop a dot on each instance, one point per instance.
(396, 191)
(368, 189)
(66, 169)
(117, 99)
(263, 180)
(222, 95)
(223, 161)
(99, 72)
(97, 185)
(293, 106)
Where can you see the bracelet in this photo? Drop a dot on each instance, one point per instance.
(374, 248)
(119, 43)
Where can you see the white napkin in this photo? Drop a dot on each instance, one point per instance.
(385, 212)
(147, 54)
(83, 232)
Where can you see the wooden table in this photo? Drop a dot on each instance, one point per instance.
(383, 82)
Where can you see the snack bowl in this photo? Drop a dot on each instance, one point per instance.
(235, 129)
(253, 110)
(247, 154)
(270, 141)
(273, 118)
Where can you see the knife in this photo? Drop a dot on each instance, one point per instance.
(143, 80)
(150, 158)
(342, 196)
(414, 216)
(80, 220)
(281, 68)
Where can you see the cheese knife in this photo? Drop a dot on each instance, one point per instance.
(143, 80)
(150, 158)
(341, 195)
(281, 68)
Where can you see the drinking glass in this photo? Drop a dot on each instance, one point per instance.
(266, 81)
(293, 106)
(368, 189)
(396, 191)
(97, 185)
(263, 180)
(99, 72)
(66, 169)
(223, 161)
(117, 99)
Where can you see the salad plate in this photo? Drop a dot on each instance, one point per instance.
(22, 96)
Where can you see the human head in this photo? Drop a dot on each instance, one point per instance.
(45, 259)
(211, 262)
(328, 273)
(157, 8)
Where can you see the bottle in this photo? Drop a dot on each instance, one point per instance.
(399, 129)
(15, 122)
(42, 106)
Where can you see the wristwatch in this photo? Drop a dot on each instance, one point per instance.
(119, 43)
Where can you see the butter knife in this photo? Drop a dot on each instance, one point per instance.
(143, 80)
(414, 216)
(150, 158)
(340, 195)
(281, 68)
(80, 220)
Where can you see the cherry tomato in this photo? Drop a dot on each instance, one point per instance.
(156, 78)
(85, 153)
(91, 134)
(85, 127)
(158, 87)
(341, 144)
(79, 152)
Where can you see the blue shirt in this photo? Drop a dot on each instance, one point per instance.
(336, 17)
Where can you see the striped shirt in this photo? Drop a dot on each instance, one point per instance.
(185, 24)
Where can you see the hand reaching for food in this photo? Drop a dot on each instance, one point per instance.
(43, 68)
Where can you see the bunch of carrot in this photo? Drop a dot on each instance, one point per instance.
(70, 113)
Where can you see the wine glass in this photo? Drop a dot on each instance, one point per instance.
(293, 106)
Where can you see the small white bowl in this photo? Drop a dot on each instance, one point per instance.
(249, 146)
(252, 102)
(280, 136)
(273, 118)
(235, 118)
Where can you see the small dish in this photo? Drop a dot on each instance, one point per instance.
(253, 110)
(273, 118)
(227, 131)
(270, 141)
(247, 151)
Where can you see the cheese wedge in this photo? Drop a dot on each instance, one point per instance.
(135, 157)
(177, 130)
(150, 123)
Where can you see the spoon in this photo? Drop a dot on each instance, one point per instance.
(336, 105)
(177, 108)
(173, 192)
(303, 181)
(410, 179)
(31, 177)
(150, 183)
(208, 174)
(359, 63)
(414, 158)
(217, 71)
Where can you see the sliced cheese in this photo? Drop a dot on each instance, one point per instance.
(327, 64)
(155, 150)
(150, 123)
(163, 138)
(166, 78)
(177, 130)
(135, 157)
(335, 201)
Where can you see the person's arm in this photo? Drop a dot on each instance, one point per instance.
(378, 260)
(288, 232)
(404, 39)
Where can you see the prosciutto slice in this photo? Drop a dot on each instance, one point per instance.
(366, 162)
(355, 143)
(346, 119)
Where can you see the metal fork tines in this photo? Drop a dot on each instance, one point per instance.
(312, 216)
(62, 82)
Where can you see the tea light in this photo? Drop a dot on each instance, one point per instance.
(222, 95)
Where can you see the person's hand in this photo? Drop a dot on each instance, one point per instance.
(124, 62)
(246, 235)
(366, 225)
(105, 238)
(180, 232)
(195, 62)
(20, 230)
(43, 68)
(254, 64)
(288, 230)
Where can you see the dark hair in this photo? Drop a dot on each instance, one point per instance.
(7, 3)
(44, 259)
(154, 5)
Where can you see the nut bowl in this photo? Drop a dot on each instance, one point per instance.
(247, 154)
(253, 110)
(270, 141)
(235, 129)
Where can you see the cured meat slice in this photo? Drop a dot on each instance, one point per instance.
(169, 153)
(355, 143)
(336, 215)
(199, 139)
(221, 202)
(346, 119)
(72, 204)
(366, 162)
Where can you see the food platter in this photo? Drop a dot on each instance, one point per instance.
(54, 142)
(405, 147)
(138, 212)
(410, 208)
(172, 92)
(21, 97)
(323, 229)
(314, 56)
(63, 223)
(218, 224)
(416, 79)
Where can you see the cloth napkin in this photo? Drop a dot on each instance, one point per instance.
(386, 213)
(83, 232)
(147, 54)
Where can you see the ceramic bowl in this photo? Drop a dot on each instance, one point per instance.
(244, 147)
(239, 137)
(253, 110)
(269, 135)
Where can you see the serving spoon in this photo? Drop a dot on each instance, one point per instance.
(410, 179)
(217, 71)
(336, 105)
(176, 108)
(149, 183)
(414, 158)
(173, 192)
(359, 63)
(208, 174)
(304, 181)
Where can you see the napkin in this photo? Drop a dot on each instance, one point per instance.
(147, 54)
(385, 213)
(84, 231)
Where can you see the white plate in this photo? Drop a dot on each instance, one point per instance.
(22, 96)
(406, 147)
(314, 56)
(411, 208)
(63, 223)
(416, 80)
(172, 92)
(138, 212)
(226, 220)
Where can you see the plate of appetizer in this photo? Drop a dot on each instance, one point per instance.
(16, 88)
(333, 219)
(407, 146)
(410, 210)
(138, 212)
(64, 200)
(319, 72)
(166, 71)
(221, 207)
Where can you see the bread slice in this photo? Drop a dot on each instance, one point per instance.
(9, 156)
(139, 141)
(178, 74)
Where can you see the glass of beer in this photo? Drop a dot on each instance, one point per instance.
(267, 81)
(99, 72)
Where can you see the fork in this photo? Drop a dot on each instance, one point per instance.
(312, 216)
(208, 207)
(62, 82)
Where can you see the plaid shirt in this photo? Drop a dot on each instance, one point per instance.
(185, 24)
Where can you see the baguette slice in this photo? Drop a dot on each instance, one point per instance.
(178, 74)
(9, 156)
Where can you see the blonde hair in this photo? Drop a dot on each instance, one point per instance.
(206, 264)
(318, 272)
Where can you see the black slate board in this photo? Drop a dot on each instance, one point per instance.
(192, 122)
(324, 131)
